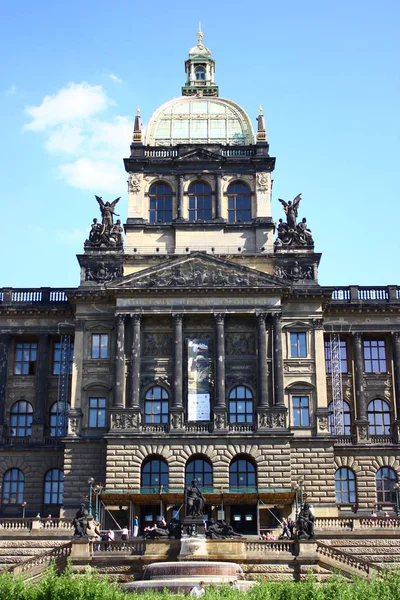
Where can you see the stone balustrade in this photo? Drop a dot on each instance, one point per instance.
(357, 294)
(355, 523)
(35, 524)
(15, 524)
(345, 561)
(270, 546)
(133, 547)
(33, 567)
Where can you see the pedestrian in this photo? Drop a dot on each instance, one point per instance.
(285, 529)
(135, 526)
(198, 590)
(124, 533)
(291, 527)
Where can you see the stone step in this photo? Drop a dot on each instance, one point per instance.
(31, 543)
(365, 543)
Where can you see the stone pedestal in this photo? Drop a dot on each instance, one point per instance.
(193, 548)
(194, 526)
(362, 431)
(81, 550)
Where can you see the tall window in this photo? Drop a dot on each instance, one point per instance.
(25, 358)
(160, 203)
(156, 405)
(57, 357)
(374, 356)
(99, 345)
(97, 412)
(239, 206)
(200, 470)
(21, 416)
(242, 473)
(13, 487)
(386, 479)
(301, 411)
(200, 74)
(54, 487)
(58, 420)
(199, 201)
(155, 473)
(346, 419)
(345, 486)
(240, 405)
(298, 347)
(379, 417)
(343, 356)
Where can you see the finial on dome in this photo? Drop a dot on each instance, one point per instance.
(199, 35)
(138, 111)
(260, 109)
(261, 131)
(137, 137)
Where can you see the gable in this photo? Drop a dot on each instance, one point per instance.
(198, 154)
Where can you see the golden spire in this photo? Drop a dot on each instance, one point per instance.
(199, 36)
(260, 109)
(138, 111)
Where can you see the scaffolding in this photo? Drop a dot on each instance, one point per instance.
(337, 396)
(63, 386)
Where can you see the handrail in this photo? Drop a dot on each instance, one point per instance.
(270, 546)
(136, 547)
(44, 559)
(347, 559)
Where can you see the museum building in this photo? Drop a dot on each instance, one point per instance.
(200, 345)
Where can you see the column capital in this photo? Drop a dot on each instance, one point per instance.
(396, 336)
(357, 337)
(276, 317)
(177, 317)
(261, 318)
(219, 318)
(121, 318)
(79, 325)
(136, 317)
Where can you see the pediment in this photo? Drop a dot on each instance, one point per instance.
(198, 154)
(198, 271)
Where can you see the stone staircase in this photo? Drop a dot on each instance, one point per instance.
(14, 551)
(383, 552)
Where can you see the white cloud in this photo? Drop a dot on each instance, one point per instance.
(115, 78)
(67, 138)
(88, 174)
(11, 91)
(111, 138)
(75, 102)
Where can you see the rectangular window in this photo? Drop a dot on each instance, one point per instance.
(298, 348)
(25, 358)
(97, 412)
(374, 356)
(99, 345)
(301, 414)
(343, 356)
(57, 358)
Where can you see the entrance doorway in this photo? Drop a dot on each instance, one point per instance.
(244, 519)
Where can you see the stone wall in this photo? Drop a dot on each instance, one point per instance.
(83, 459)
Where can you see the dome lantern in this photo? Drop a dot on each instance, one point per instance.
(200, 71)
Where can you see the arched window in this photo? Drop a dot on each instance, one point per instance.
(386, 479)
(240, 405)
(378, 417)
(239, 207)
(155, 473)
(54, 487)
(345, 486)
(199, 201)
(58, 420)
(200, 470)
(242, 473)
(156, 405)
(21, 419)
(13, 487)
(200, 73)
(346, 419)
(160, 203)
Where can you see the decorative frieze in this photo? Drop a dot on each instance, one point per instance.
(127, 419)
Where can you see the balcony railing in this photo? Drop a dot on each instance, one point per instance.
(355, 293)
(34, 296)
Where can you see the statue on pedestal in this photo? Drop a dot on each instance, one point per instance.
(107, 234)
(195, 501)
(292, 233)
(305, 523)
(80, 522)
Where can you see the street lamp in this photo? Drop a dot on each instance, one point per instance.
(296, 488)
(23, 504)
(97, 491)
(397, 490)
(90, 482)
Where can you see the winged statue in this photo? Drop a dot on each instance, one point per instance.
(291, 211)
(107, 212)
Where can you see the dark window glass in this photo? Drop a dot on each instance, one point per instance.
(346, 419)
(386, 479)
(378, 417)
(345, 486)
(160, 203)
(97, 412)
(343, 356)
(99, 345)
(301, 415)
(298, 348)
(199, 201)
(239, 203)
(25, 358)
(241, 405)
(54, 487)
(21, 416)
(374, 356)
(57, 357)
(58, 420)
(156, 405)
(200, 470)
(242, 473)
(13, 487)
(200, 73)
(155, 473)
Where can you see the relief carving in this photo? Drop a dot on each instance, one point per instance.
(134, 184)
(295, 270)
(220, 420)
(323, 423)
(157, 345)
(262, 182)
(130, 420)
(102, 273)
(176, 421)
(238, 344)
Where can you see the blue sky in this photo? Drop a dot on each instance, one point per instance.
(326, 74)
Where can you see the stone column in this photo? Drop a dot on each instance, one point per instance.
(75, 414)
(4, 345)
(361, 409)
(119, 363)
(220, 361)
(134, 398)
(262, 362)
(39, 413)
(178, 357)
(218, 197)
(279, 397)
(179, 198)
(396, 365)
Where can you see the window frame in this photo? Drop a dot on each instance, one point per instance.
(297, 349)
(232, 198)
(99, 347)
(342, 483)
(387, 493)
(196, 196)
(248, 401)
(60, 429)
(369, 346)
(303, 410)
(346, 417)
(163, 474)
(56, 485)
(203, 476)
(16, 495)
(151, 401)
(235, 475)
(96, 411)
(54, 370)
(31, 364)
(343, 359)
(27, 414)
(161, 198)
(373, 426)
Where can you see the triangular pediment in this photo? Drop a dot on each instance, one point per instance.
(198, 154)
(198, 271)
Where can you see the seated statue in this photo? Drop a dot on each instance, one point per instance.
(195, 501)
(305, 523)
(80, 522)
(220, 530)
(157, 531)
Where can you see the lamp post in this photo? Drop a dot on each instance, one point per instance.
(23, 504)
(397, 490)
(90, 482)
(97, 491)
(301, 494)
(296, 488)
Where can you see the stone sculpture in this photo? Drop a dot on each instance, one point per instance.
(195, 501)
(292, 233)
(107, 234)
(80, 522)
(305, 523)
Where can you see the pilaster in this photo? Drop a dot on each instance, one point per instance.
(263, 400)
(4, 347)
(119, 363)
(134, 395)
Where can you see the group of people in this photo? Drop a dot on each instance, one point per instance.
(200, 589)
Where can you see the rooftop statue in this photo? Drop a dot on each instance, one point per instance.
(107, 234)
(292, 233)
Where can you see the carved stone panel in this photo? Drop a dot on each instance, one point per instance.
(240, 344)
(157, 344)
